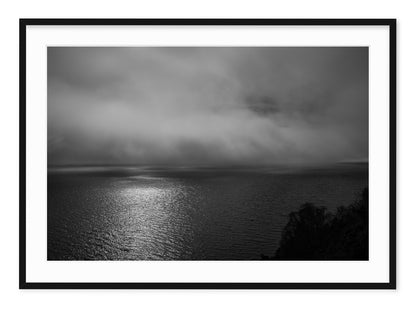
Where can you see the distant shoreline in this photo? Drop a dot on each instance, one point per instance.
(199, 167)
(128, 171)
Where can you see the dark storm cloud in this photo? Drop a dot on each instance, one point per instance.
(207, 106)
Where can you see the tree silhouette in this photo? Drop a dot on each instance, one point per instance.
(313, 233)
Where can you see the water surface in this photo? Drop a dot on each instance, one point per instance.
(144, 213)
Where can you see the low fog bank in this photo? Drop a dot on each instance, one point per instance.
(207, 106)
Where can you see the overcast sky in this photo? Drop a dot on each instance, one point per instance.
(207, 106)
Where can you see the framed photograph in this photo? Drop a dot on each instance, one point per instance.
(207, 153)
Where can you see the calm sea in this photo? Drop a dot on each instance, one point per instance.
(130, 213)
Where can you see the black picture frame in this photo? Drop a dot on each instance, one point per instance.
(391, 23)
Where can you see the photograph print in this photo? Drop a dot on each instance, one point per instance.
(207, 153)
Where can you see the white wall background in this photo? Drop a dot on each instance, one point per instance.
(13, 299)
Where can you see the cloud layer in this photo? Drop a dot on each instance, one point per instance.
(207, 106)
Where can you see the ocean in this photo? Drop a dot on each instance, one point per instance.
(158, 213)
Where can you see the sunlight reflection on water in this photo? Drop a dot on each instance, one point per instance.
(151, 218)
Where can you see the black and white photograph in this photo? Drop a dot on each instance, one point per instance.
(207, 153)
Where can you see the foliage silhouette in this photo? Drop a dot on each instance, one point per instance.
(313, 233)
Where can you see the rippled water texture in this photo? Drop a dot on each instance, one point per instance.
(184, 214)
